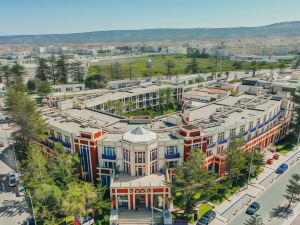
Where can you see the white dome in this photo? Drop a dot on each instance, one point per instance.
(139, 134)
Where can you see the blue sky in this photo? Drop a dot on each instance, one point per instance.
(66, 16)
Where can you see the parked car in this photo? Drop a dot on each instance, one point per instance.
(12, 180)
(206, 218)
(1, 144)
(282, 168)
(253, 208)
(20, 190)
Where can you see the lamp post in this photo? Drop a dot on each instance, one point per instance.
(29, 195)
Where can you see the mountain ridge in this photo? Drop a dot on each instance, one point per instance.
(291, 28)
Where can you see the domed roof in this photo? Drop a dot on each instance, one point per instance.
(139, 134)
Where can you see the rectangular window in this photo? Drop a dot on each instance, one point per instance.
(221, 136)
(197, 146)
(251, 125)
(108, 164)
(126, 167)
(109, 151)
(59, 136)
(232, 132)
(208, 153)
(153, 155)
(208, 141)
(258, 122)
(140, 157)
(242, 129)
(172, 149)
(126, 155)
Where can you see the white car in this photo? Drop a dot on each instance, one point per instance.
(12, 180)
(21, 190)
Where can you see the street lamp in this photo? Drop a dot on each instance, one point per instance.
(29, 195)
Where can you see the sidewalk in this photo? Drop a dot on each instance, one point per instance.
(230, 207)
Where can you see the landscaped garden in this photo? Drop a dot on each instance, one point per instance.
(286, 144)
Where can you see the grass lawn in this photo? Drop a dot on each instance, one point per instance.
(206, 65)
(203, 208)
(152, 111)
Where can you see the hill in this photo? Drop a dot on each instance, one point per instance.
(288, 29)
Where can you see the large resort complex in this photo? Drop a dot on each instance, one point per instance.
(136, 156)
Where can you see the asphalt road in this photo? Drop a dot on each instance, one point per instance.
(270, 200)
(13, 209)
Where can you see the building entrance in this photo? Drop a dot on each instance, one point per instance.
(140, 201)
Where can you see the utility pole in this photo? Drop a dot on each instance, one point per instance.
(32, 207)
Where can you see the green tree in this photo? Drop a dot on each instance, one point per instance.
(62, 166)
(282, 66)
(131, 73)
(74, 201)
(43, 88)
(254, 220)
(78, 71)
(6, 73)
(161, 97)
(118, 105)
(117, 74)
(43, 70)
(131, 105)
(199, 79)
(292, 192)
(237, 65)
(170, 65)
(192, 181)
(36, 172)
(235, 160)
(169, 95)
(96, 81)
(22, 111)
(62, 69)
(17, 69)
(192, 67)
(31, 85)
(53, 74)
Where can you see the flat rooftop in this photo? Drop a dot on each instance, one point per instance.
(153, 180)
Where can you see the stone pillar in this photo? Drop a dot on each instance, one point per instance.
(117, 203)
(133, 201)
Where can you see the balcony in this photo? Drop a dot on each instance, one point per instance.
(66, 144)
(109, 157)
(172, 156)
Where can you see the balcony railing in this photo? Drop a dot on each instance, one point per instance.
(66, 144)
(172, 156)
(109, 157)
